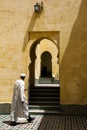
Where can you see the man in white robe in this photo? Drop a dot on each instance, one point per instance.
(19, 106)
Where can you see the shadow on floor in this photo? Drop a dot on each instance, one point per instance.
(9, 123)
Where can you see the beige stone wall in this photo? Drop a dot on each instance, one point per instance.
(68, 17)
(73, 58)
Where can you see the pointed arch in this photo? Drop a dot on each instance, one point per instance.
(39, 47)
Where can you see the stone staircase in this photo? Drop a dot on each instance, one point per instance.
(44, 99)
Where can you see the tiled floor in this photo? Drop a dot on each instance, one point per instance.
(46, 122)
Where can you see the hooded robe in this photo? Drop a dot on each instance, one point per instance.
(19, 106)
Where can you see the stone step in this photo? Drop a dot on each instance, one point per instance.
(47, 85)
(54, 94)
(48, 89)
(44, 98)
(48, 80)
(44, 90)
(44, 112)
(44, 107)
(44, 102)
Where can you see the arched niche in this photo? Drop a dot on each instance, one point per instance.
(46, 65)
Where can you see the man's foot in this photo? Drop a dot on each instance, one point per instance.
(13, 123)
(30, 119)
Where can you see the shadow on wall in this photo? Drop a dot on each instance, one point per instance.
(30, 27)
(33, 19)
(32, 64)
(74, 61)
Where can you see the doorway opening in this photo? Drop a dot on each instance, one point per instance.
(46, 64)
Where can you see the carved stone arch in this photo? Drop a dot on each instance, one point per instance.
(35, 54)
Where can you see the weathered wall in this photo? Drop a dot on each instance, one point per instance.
(69, 18)
(74, 58)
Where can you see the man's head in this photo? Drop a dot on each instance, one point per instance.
(22, 76)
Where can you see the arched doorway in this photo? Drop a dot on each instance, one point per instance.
(44, 61)
(46, 64)
(43, 67)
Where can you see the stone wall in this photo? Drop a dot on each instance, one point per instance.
(17, 19)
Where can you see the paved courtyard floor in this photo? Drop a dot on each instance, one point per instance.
(46, 122)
